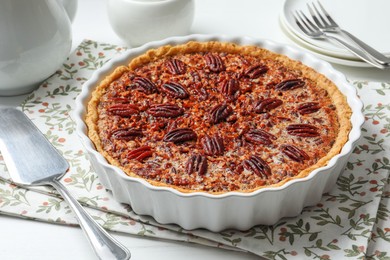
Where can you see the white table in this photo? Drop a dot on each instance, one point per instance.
(24, 239)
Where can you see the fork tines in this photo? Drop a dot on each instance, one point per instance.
(304, 22)
(323, 15)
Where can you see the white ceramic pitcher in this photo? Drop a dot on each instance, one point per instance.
(35, 39)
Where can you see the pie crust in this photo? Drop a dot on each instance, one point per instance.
(258, 118)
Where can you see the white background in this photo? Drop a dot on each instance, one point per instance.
(25, 239)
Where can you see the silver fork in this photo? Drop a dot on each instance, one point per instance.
(312, 31)
(326, 24)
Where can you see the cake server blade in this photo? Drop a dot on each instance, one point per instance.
(32, 160)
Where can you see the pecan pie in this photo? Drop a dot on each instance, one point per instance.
(217, 117)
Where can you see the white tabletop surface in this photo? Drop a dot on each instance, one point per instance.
(25, 239)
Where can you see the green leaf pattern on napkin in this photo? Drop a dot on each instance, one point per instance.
(351, 221)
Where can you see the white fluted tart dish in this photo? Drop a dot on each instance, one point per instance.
(218, 132)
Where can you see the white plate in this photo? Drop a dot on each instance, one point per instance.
(368, 20)
(315, 45)
(316, 51)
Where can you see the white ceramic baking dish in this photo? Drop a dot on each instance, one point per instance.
(230, 210)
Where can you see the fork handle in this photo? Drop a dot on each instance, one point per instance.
(361, 54)
(105, 246)
(379, 57)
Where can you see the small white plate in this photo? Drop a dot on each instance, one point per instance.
(367, 20)
(316, 51)
(315, 46)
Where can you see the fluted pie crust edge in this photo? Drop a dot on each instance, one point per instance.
(338, 99)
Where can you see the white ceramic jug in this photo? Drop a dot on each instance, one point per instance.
(139, 21)
(35, 39)
(70, 7)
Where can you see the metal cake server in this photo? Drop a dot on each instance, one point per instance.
(32, 160)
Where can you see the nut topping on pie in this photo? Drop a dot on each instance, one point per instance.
(140, 153)
(230, 89)
(175, 90)
(267, 104)
(124, 110)
(214, 62)
(257, 166)
(176, 67)
(303, 130)
(128, 133)
(290, 84)
(180, 135)
(255, 71)
(217, 117)
(196, 164)
(220, 113)
(144, 85)
(259, 136)
(165, 110)
(213, 145)
(294, 153)
(308, 108)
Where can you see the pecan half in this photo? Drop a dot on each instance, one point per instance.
(175, 90)
(230, 88)
(140, 153)
(308, 108)
(266, 105)
(213, 145)
(257, 165)
(289, 84)
(195, 77)
(258, 136)
(180, 135)
(214, 62)
(176, 67)
(255, 71)
(220, 113)
(144, 85)
(196, 164)
(294, 153)
(165, 110)
(201, 93)
(127, 133)
(124, 110)
(303, 130)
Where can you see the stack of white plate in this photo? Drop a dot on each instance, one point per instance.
(366, 19)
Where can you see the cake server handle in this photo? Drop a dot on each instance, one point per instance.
(104, 245)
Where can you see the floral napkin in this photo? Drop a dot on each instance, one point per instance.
(351, 221)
